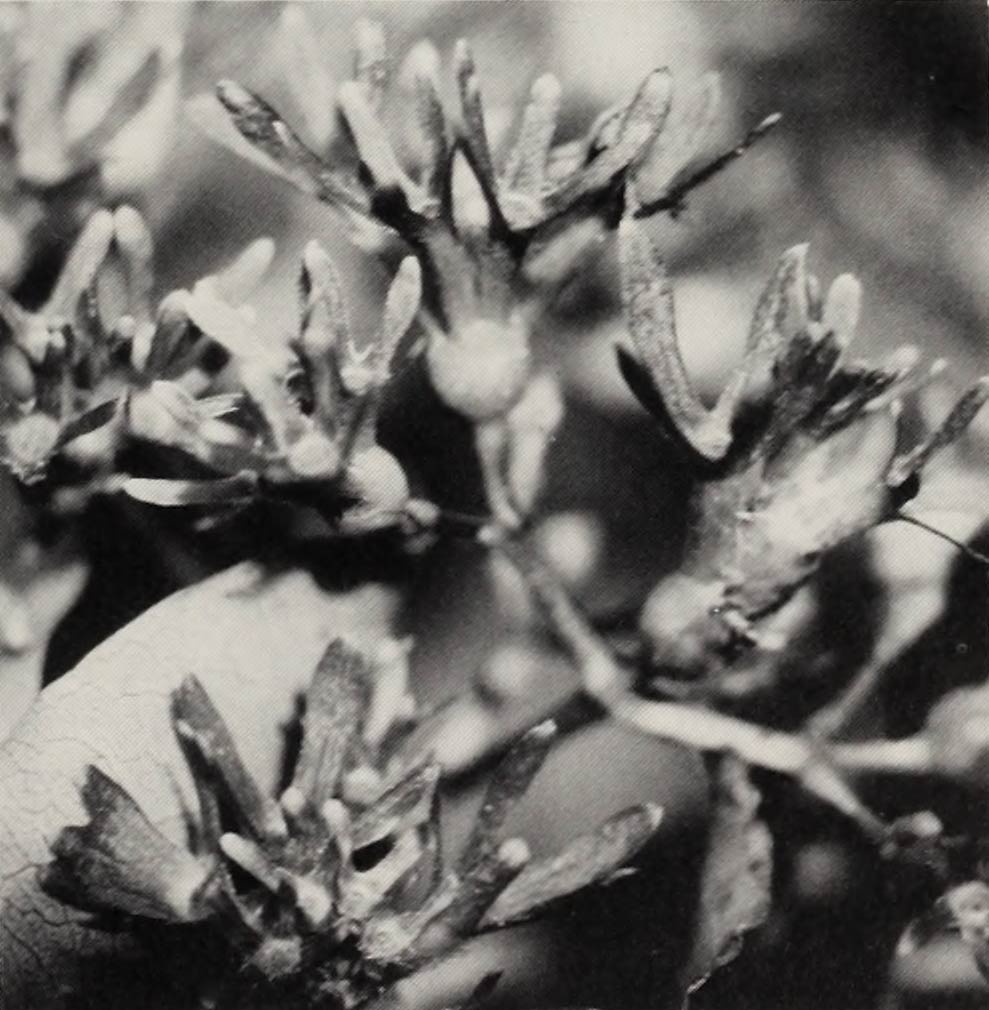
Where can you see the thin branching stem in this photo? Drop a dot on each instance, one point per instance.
(608, 684)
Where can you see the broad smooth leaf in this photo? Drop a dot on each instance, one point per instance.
(253, 640)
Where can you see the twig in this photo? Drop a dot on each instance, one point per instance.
(836, 716)
(674, 197)
(608, 684)
(909, 756)
(489, 438)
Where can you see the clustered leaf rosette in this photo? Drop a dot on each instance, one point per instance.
(302, 423)
(340, 887)
(800, 452)
(87, 104)
(484, 229)
(78, 367)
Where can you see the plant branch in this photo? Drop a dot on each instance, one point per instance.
(489, 438)
(604, 680)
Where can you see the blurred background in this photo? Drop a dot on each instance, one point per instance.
(881, 164)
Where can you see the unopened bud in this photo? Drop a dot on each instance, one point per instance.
(377, 482)
(314, 456)
(572, 542)
(480, 371)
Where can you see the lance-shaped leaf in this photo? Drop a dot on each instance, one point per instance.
(305, 72)
(640, 122)
(401, 307)
(371, 61)
(336, 704)
(325, 330)
(373, 145)
(525, 169)
(472, 112)
(81, 267)
(228, 326)
(648, 300)
(112, 106)
(589, 859)
(406, 805)
(680, 140)
(950, 429)
(218, 769)
(174, 342)
(136, 248)
(737, 880)
(858, 388)
(423, 62)
(689, 179)
(237, 490)
(508, 784)
(87, 422)
(766, 333)
(425, 875)
(237, 281)
(261, 125)
(842, 307)
(120, 862)
(800, 374)
(473, 895)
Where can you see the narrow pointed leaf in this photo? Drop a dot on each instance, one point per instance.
(261, 125)
(766, 332)
(94, 418)
(842, 307)
(508, 784)
(688, 180)
(475, 893)
(325, 330)
(136, 246)
(401, 307)
(239, 279)
(371, 62)
(119, 862)
(472, 111)
(326, 322)
(372, 141)
(950, 429)
(82, 266)
(306, 74)
(181, 493)
(119, 106)
(222, 322)
(336, 704)
(639, 124)
(589, 859)
(679, 142)
(430, 116)
(406, 805)
(525, 169)
(204, 738)
(648, 299)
